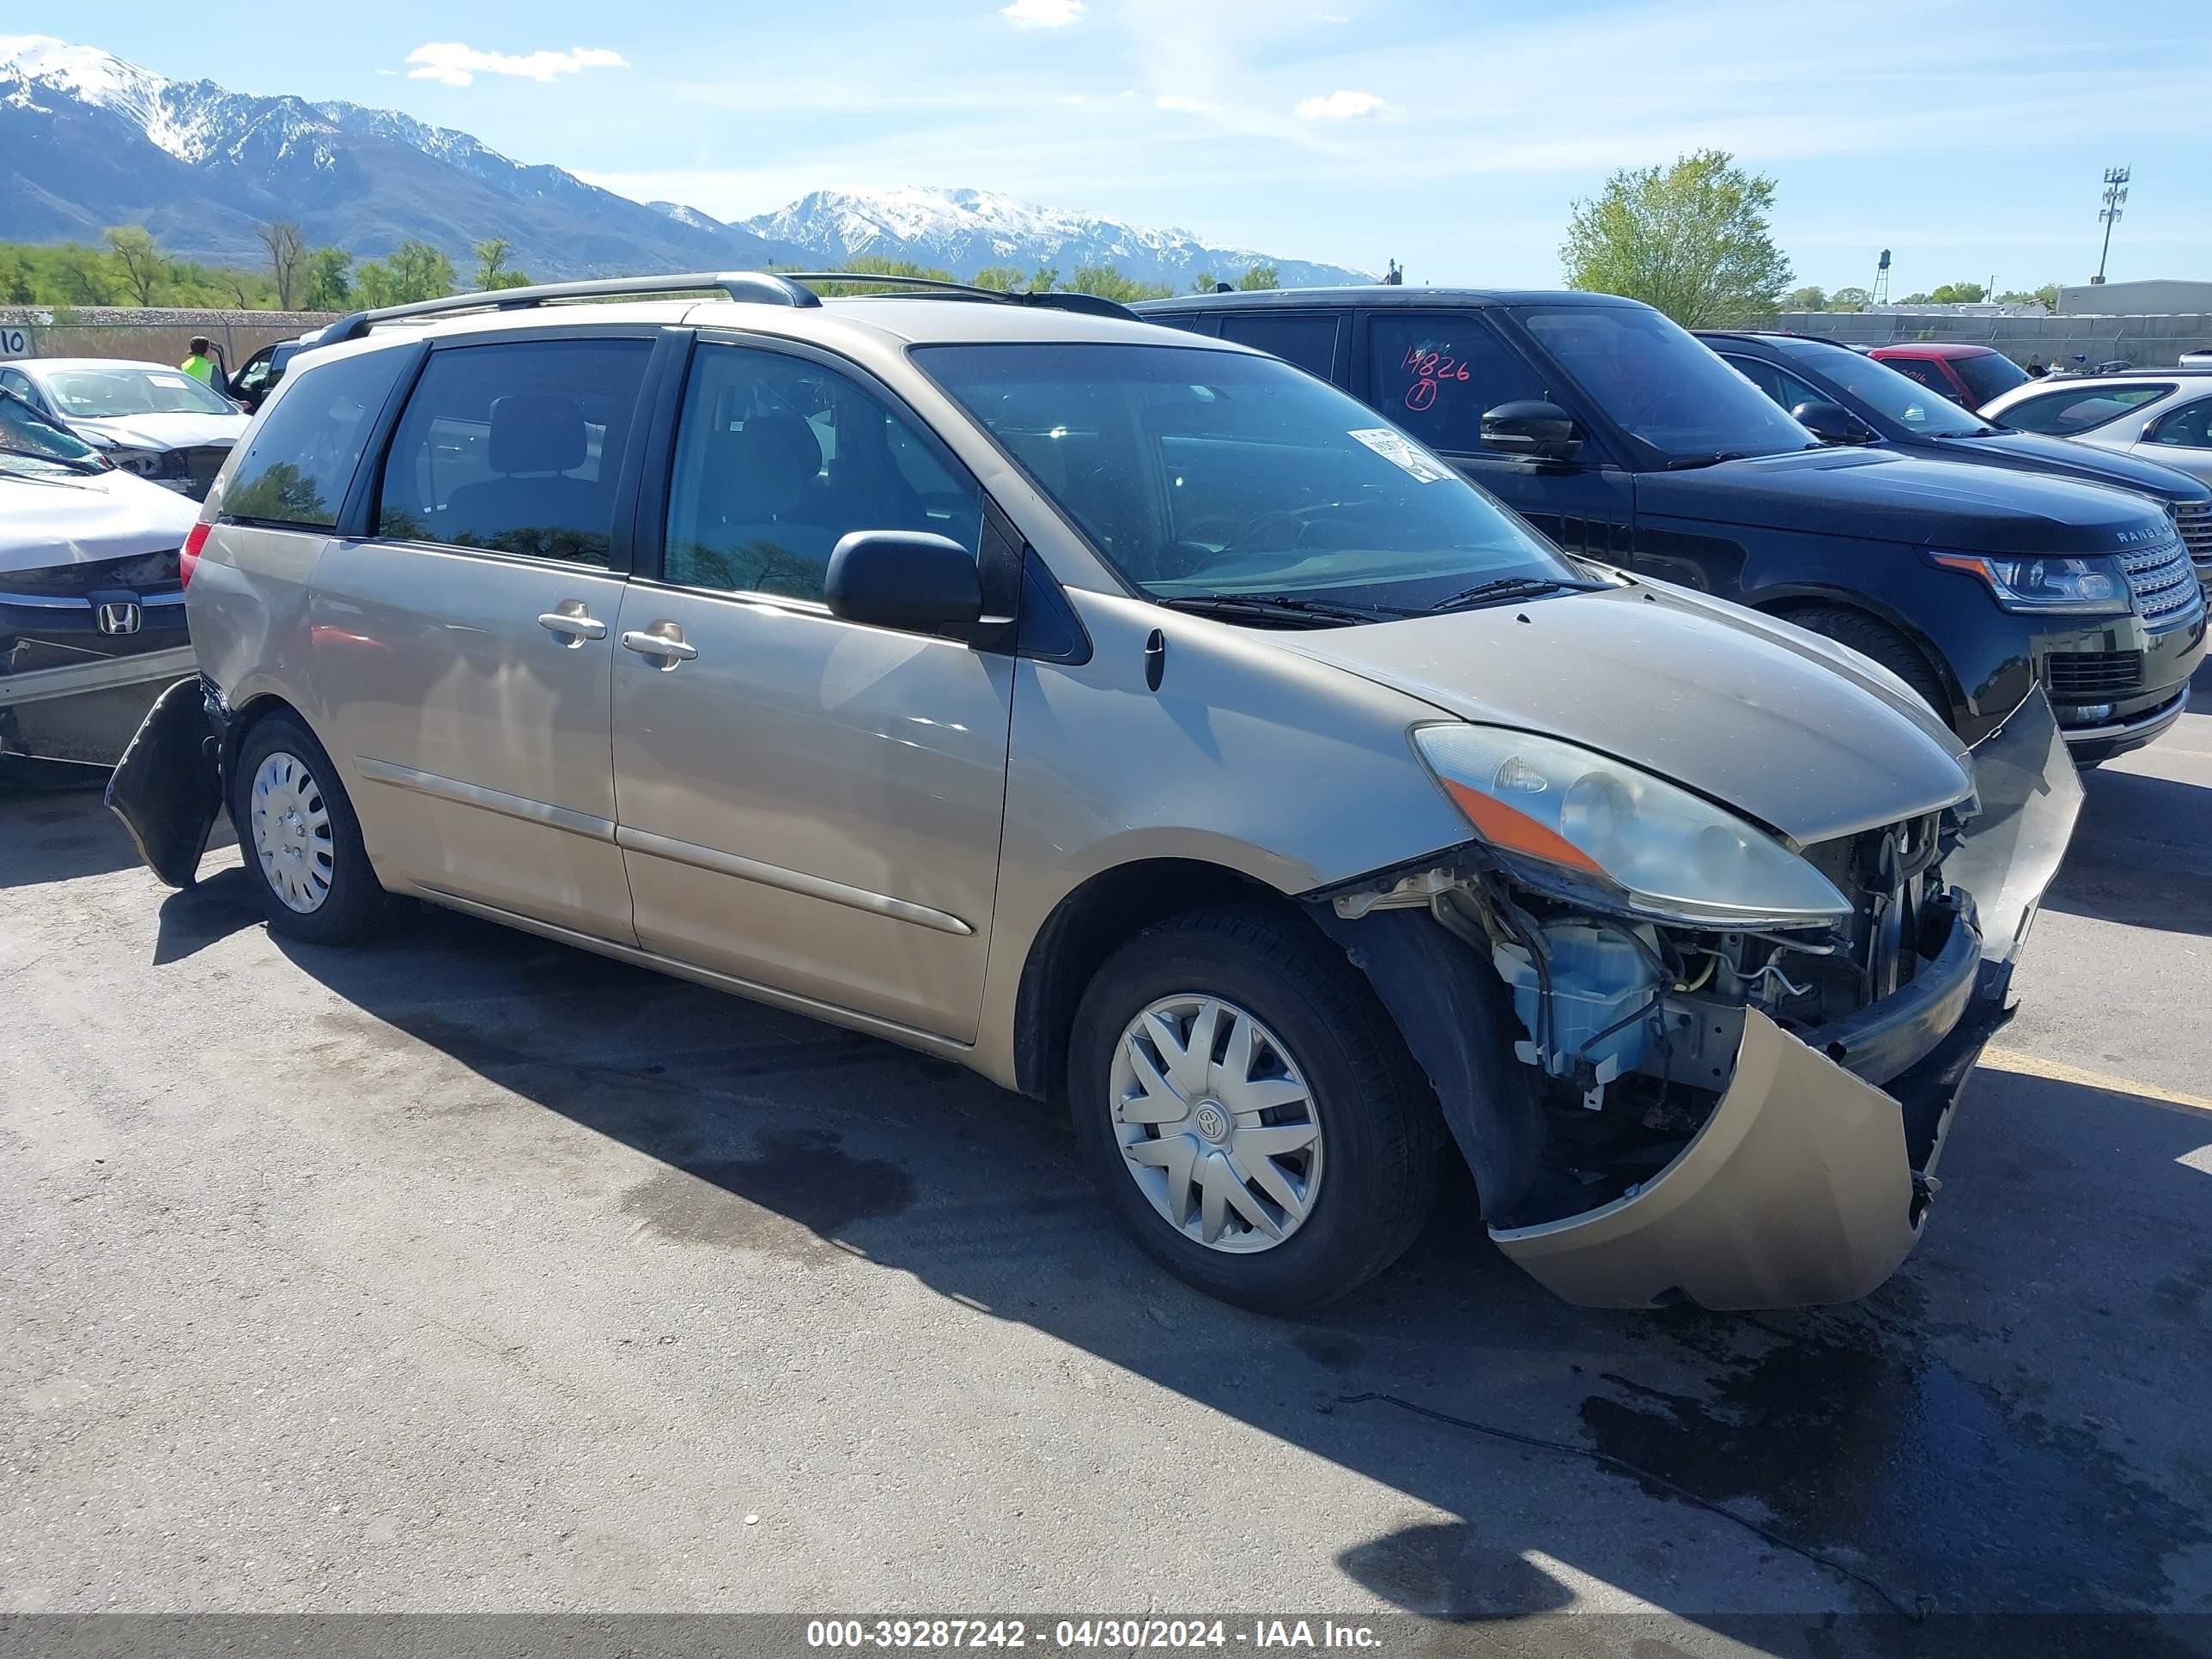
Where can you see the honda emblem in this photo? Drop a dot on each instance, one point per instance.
(119, 618)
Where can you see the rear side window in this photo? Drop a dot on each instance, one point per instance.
(1779, 384)
(2189, 426)
(1435, 374)
(515, 447)
(1307, 340)
(301, 458)
(2066, 412)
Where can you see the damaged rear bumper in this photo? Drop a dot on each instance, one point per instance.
(1809, 1182)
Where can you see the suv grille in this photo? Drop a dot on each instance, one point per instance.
(2092, 676)
(2193, 521)
(2164, 585)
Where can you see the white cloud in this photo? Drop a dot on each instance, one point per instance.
(1182, 106)
(1041, 14)
(457, 65)
(1341, 107)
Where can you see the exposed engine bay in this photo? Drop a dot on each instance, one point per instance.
(1745, 1116)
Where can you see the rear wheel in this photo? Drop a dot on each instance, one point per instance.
(1249, 1112)
(304, 858)
(1884, 644)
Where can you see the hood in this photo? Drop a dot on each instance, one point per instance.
(76, 519)
(184, 431)
(2032, 451)
(1899, 498)
(1762, 717)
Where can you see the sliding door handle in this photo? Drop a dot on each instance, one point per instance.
(572, 627)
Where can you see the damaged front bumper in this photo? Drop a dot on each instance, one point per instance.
(1810, 1180)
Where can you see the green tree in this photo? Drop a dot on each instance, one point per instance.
(1003, 279)
(1109, 283)
(492, 270)
(1957, 294)
(17, 287)
(1260, 278)
(415, 272)
(330, 280)
(1204, 283)
(1849, 299)
(1044, 279)
(81, 276)
(1691, 240)
(287, 259)
(2047, 296)
(1805, 298)
(139, 260)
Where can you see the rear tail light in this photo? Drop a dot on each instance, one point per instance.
(188, 557)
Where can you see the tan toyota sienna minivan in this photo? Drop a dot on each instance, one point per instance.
(1139, 722)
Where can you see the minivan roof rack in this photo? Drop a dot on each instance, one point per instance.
(759, 286)
(944, 288)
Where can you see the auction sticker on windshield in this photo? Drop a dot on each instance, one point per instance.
(1391, 447)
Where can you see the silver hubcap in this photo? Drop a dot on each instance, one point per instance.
(292, 832)
(1217, 1126)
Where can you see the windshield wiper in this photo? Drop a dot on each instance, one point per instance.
(1510, 587)
(1293, 608)
(80, 464)
(1685, 462)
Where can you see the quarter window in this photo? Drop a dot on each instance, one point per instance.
(1303, 338)
(302, 456)
(778, 459)
(1435, 374)
(515, 447)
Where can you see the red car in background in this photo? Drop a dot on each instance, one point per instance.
(1968, 375)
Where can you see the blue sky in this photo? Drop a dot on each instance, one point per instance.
(1970, 139)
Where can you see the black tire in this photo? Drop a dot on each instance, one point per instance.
(1870, 638)
(1381, 1127)
(354, 901)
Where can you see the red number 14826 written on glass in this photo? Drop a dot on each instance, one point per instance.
(1430, 369)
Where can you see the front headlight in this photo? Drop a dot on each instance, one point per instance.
(2047, 583)
(1674, 856)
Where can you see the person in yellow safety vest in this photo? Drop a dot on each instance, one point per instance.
(201, 364)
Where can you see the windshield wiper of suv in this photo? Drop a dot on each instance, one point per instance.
(1294, 610)
(1510, 587)
(73, 463)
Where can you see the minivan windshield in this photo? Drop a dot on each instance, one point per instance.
(1662, 384)
(1888, 393)
(1206, 475)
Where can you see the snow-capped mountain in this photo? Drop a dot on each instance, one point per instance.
(964, 230)
(87, 141)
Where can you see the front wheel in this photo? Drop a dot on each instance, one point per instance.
(1249, 1112)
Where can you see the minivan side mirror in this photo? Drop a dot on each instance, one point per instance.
(907, 579)
(1541, 431)
(1831, 423)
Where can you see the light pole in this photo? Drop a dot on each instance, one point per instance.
(2116, 192)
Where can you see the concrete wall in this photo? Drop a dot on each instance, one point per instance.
(157, 335)
(2148, 342)
(2157, 294)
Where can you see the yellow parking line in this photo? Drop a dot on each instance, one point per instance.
(2057, 1071)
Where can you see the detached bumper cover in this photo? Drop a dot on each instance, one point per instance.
(167, 788)
(1807, 1185)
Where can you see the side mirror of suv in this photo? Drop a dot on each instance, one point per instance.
(1831, 423)
(906, 579)
(1541, 431)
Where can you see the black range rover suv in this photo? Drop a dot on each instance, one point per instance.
(1621, 437)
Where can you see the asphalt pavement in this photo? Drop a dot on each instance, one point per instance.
(464, 1272)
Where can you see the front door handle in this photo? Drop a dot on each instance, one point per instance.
(663, 639)
(572, 627)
